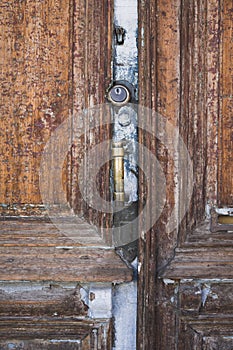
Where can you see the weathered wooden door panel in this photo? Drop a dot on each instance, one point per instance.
(225, 165)
(55, 59)
(55, 62)
(32, 334)
(35, 78)
(205, 337)
(185, 278)
(92, 55)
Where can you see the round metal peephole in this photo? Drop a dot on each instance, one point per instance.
(119, 95)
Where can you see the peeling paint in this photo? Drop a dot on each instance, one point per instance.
(168, 281)
(125, 67)
(205, 292)
(126, 56)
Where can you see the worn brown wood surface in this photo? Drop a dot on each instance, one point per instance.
(35, 90)
(195, 313)
(55, 62)
(92, 55)
(52, 334)
(201, 263)
(32, 250)
(213, 43)
(147, 92)
(182, 45)
(159, 80)
(30, 299)
(193, 112)
(225, 183)
(36, 264)
(41, 232)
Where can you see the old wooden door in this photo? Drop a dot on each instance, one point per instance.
(185, 278)
(52, 68)
(55, 59)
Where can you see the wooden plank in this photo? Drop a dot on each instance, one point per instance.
(147, 98)
(159, 87)
(52, 264)
(33, 249)
(201, 263)
(32, 231)
(21, 299)
(35, 79)
(218, 297)
(93, 21)
(225, 183)
(213, 106)
(43, 232)
(193, 126)
(199, 254)
(203, 237)
(55, 333)
(204, 333)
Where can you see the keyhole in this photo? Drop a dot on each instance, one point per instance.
(119, 94)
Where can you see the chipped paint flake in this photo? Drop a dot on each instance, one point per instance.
(168, 281)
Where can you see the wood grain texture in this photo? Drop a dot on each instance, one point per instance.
(225, 183)
(201, 263)
(185, 57)
(38, 299)
(159, 86)
(41, 232)
(92, 55)
(147, 244)
(194, 115)
(55, 62)
(213, 107)
(84, 265)
(32, 250)
(195, 314)
(42, 334)
(35, 72)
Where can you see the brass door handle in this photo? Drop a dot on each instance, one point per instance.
(118, 170)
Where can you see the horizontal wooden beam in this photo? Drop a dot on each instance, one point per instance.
(33, 250)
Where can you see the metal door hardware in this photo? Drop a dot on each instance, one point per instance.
(121, 92)
(120, 35)
(224, 211)
(119, 95)
(118, 171)
(221, 219)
